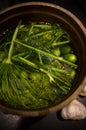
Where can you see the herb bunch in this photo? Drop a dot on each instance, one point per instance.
(37, 66)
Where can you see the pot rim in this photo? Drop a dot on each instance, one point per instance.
(69, 13)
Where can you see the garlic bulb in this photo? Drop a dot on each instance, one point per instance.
(74, 110)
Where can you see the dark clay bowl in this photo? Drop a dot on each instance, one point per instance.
(46, 12)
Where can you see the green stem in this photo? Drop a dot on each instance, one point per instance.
(58, 35)
(40, 59)
(42, 26)
(12, 44)
(59, 70)
(63, 88)
(46, 53)
(31, 29)
(62, 80)
(41, 33)
(60, 43)
(28, 62)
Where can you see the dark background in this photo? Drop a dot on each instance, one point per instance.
(51, 121)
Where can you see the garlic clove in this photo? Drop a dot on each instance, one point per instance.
(83, 92)
(74, 110)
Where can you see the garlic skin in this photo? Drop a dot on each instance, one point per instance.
(83, 92)
(74, 111)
